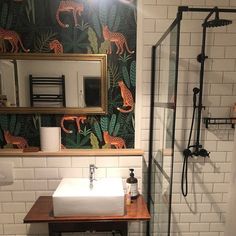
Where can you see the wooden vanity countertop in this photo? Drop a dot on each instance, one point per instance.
(42, 211)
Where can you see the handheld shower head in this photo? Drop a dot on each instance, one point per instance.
(196, 90)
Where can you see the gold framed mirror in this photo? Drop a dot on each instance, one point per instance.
(53, 84)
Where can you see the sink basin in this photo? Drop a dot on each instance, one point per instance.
(73, 197)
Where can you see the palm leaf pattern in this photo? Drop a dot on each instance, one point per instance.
(93, 40)
(75, 42)
(41, 43)
(114, 74)
(35, 22)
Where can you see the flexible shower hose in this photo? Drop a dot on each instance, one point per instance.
(184, 180)
(187, 153)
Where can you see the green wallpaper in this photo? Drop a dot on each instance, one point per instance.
(45, 26)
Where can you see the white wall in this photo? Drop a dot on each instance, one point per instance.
(74, 72)
(8, 81)
(40, 176)
(202, 213)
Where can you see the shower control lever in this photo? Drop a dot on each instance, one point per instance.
(201, 58)
(187, 152)
(204, 153)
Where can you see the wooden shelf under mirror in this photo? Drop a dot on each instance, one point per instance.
(72, 152)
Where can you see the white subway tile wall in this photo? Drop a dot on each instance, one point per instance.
(203, 212)
(40, 176)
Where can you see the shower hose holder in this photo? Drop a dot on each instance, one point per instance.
(201, 58)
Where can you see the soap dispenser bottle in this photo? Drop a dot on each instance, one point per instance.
(132, 185)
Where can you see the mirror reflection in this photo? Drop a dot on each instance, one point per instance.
(57, 82)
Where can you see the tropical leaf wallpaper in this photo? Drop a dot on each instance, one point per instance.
(75, 26)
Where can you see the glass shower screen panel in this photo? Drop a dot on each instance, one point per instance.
(163, 137)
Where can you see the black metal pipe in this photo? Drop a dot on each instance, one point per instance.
(215, 9)
(179, 18)
(151, 126)
(203, 57)
(201, 9)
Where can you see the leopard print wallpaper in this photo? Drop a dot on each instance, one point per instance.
(75, 26)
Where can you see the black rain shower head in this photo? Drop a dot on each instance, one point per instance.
(217, 22)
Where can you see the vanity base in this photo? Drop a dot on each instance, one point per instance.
(42, 212)
(55, 229)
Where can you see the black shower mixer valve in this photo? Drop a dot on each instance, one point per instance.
(199, 151)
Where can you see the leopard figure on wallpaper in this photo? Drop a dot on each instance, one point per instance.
(128, 100)
(69, 6)
(112, 140)
(77, 119)
(56, 46)
(20, 142)
(13, 38)
(117, 38)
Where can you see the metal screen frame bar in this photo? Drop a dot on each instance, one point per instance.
(175, 23)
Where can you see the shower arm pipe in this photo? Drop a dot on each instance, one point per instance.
(213, 10)
(201, 9)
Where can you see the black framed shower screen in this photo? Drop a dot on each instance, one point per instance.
(164, 77)
(163, 100)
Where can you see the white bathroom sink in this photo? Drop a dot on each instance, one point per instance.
(74, 197)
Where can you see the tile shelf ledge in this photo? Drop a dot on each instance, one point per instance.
(72, 152)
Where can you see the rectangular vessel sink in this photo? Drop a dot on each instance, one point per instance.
(74, 197)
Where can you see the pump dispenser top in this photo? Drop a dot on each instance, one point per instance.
(131, 172)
